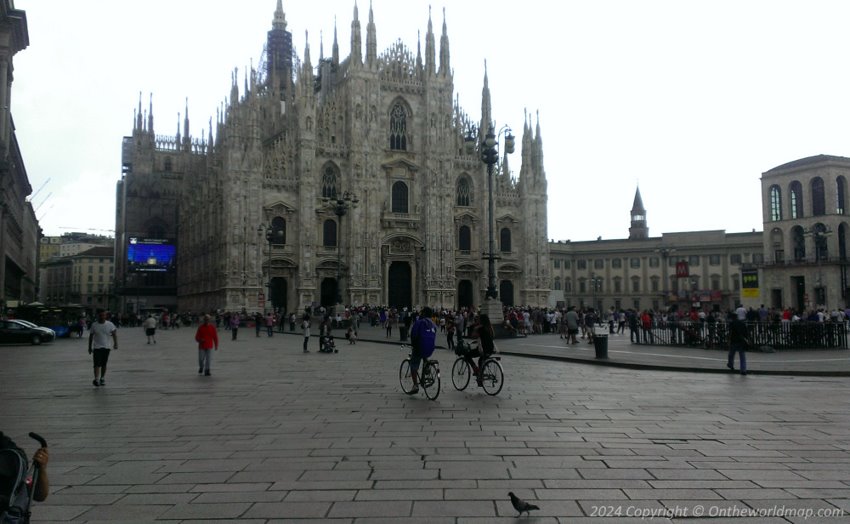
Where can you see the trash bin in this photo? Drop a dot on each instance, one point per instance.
(600, 343)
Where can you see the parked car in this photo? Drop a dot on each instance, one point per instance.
(21, 331)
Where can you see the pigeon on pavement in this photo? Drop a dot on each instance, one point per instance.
(521, 505)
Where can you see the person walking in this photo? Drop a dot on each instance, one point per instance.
(571, 320)
(269, 324)
(234, 325)
(207, 338)
(305, 325)
(99, 335)
(738, 341)
(150, 328)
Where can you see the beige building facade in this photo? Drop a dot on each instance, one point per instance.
(806, 220)
(85, 278)
(693, 269)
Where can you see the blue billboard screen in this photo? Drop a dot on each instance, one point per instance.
(151, 254)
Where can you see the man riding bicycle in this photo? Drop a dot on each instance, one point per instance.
(423, 336)
(486, 346)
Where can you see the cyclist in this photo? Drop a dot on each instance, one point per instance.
(423, 336)
(486, 347)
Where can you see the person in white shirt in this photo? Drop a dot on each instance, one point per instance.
(150, 328)
(99, 344)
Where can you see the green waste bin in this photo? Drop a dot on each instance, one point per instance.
(600, 343)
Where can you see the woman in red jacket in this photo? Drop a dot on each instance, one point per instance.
(207, 338)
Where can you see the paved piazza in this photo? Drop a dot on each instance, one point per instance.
(280, 436)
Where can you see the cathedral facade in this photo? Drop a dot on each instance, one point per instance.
(349, 181)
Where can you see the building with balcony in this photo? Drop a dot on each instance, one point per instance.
(805, 212)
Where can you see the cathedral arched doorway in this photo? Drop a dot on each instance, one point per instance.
(328, 297)
(506, 292)
(464, 294)
(399, 285)
(278, 294)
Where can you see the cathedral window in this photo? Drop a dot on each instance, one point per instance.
(329, 182)
(505, 240)
(329, 233)
(168, 165)
(557, 284)
(840, 188)
(400, 198)
(278, 231)
(464, 239)
(464, 193)
(398, 128)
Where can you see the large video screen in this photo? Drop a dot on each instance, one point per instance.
(151, 254)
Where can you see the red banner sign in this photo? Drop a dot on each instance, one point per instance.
(682, 270)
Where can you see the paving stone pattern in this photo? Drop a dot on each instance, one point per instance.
(275, 435)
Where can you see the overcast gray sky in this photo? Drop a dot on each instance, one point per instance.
(693, 100)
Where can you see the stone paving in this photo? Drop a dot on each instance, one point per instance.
(275, 435)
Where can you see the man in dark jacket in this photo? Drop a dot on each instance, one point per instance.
(738, 341)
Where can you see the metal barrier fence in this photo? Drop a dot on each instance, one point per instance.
(778, 335)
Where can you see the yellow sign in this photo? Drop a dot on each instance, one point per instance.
(750, 283)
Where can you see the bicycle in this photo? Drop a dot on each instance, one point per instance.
(491, 376)
(429, 376)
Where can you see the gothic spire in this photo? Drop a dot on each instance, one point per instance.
(430, 65)
(486, 108)
(307, 64)
(445, 68)
(418, 51)
(150, 116)
(355, 38)
(138, 123)
(234, 87)
(186, 121)
(279, 21)
(538, 148)
(371, 39)
(335, 51)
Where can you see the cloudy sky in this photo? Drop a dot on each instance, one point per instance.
(692, 100)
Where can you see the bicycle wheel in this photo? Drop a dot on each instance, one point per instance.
(492, 377)
(430, 380)
(461, 374)
(404, 377)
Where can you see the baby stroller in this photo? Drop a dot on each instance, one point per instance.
(327, 345)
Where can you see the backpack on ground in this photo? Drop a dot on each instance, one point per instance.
(14, 495)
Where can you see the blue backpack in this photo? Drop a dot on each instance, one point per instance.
(427, 338)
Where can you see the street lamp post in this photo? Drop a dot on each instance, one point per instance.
(489, 151)
(595, 286)
(273, 236)
(340, 206)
